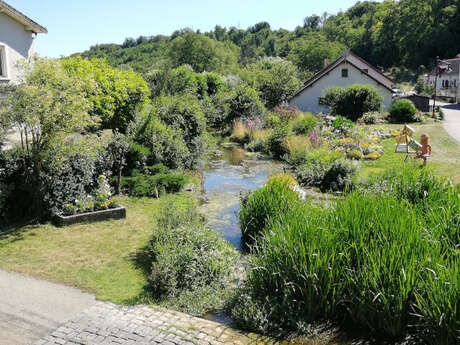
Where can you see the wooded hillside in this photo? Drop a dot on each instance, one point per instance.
(408, 33)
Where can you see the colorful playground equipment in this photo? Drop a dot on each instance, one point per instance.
(408, 145)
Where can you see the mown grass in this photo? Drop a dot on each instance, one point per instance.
(98, 257)
(445, 157)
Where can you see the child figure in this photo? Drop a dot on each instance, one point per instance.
(425, 152)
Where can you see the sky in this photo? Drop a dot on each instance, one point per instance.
(75, 25)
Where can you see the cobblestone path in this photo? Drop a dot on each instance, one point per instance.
(109, 324)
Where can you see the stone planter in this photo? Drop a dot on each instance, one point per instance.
(96, 216)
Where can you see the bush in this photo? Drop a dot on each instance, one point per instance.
(402, 111)
(276, 142)
(166, 144)
(192, 265)
(325, 170)
(370, 118)
(184, 114)
(152, 186)
(353, 101)
(262, 206)
(304, 124)
(244, 104)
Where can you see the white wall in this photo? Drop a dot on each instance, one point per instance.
(307, 100)
(18, 45)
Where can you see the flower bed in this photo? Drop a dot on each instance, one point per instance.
(95, 216)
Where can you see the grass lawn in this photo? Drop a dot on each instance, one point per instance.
(97, 257)
(445, 158)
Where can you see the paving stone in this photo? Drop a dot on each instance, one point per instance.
(109, 324)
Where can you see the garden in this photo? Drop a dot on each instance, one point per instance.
(349, 237)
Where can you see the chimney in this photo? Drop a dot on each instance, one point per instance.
(326, 62)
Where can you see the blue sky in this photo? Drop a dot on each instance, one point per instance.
(75, 25)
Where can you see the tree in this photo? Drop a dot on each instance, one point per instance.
(275, 79)
(49, 102)
(114, 94)
(309, 53)
(202, 53)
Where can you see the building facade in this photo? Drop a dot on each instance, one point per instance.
(17, 33)
(347, 70)
(448, 81)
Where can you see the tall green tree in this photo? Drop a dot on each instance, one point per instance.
(202, 53)
(114, 94)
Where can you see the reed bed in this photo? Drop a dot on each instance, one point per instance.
(383, 259)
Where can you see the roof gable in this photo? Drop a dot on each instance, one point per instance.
(28, 23)
(355, 61)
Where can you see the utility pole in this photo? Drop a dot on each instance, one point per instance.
(436, 72)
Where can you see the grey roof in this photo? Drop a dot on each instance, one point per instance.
(22, 18)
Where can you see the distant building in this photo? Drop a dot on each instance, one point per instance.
(448, 80)
(347, 70)
(17, 33)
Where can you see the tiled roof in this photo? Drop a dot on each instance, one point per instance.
(382, 78)
(22, 18)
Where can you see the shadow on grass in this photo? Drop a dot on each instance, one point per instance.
(142, 260)
(14, 231)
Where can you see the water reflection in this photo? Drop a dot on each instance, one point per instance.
(233, 171)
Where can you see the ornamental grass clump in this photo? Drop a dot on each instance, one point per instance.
(383, 260)
(263, 205)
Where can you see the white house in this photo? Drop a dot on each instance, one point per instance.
(347, 70)
(17, 33)
(448, 80)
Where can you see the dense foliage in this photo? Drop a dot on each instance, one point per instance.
(402, 111)
(407, 33)
(352, 101)
(384, 259)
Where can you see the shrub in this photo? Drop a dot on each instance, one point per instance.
(273, 120)
(355, 154)
(326, 170)
(166, 144)
(353, 101)
(304, 124)
(276, 142)
(184, 114)
(154, 185)
(402, 111)
(262, 206)
(192, 265)
(297, 147)
(370, 118)
(244, 103)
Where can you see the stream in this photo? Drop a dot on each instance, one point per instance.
(231, 172)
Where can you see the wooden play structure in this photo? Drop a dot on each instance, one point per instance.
(406, 144)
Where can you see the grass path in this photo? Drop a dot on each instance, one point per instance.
(93, 257)
(445, 157)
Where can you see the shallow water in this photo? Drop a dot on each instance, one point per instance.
(232, 172)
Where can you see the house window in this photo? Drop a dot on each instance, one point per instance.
(2, 62)
(344, 72)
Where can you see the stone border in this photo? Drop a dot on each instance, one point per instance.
(96, 216)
